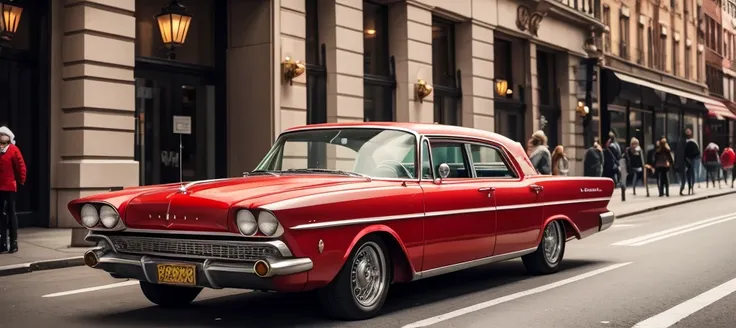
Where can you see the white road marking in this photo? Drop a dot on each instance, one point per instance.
(683, 310)
(624, 225)
(92, 289)
(508, 298)
(646, 239)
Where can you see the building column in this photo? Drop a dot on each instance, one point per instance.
(93, 120)
(341, 30)
(475, 61)
(571, 121)
(532, 85)
(410, 42)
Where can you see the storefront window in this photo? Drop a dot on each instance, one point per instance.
(378, 82)
(640, 127)
(618, 124)
(316, 81)
(199, 46)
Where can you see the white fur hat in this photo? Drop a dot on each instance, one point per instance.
(6, 131)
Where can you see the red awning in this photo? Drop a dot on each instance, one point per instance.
(718, 109)
(731, 106)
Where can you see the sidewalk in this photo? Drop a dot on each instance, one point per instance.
(43, 248)
(641, 203)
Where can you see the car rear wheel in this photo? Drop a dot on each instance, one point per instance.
(168, 295)
(546, 259)
(360, 288)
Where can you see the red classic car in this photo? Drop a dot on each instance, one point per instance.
(347, 210)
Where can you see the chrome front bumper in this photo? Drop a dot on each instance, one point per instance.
(211, 273)
(606, 220)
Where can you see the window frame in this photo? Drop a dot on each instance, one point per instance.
(442, 91)
(387, 82)
(505, 154)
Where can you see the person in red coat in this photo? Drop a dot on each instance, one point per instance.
(728, 157)
(12, 171)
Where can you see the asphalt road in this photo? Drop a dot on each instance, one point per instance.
(669, 268)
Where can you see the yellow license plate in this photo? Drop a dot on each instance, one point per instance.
(178, 274)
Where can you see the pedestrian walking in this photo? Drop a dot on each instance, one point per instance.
(593, 161)
(686, 161)
(728, 157)
(560, 164)
(712, 162)
(611, 163)
(634, 156)
(538, 152)
(12, 172)
(662, 162)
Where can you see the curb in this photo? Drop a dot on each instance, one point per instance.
(690, 200)
(14, 269)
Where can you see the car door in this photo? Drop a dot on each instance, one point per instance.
(460, 219)
(519, 210)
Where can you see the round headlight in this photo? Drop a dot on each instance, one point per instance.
(267, 223)
(246, 222)
(90, 217)
(109, 216)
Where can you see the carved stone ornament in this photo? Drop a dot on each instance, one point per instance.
(528, 20)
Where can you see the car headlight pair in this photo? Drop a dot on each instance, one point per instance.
(106, 215)
(249, 225)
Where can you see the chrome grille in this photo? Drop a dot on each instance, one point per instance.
(207, 249)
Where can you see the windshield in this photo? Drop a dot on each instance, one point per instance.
(377, 153)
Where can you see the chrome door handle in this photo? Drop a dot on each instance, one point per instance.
(536, 188)
(486, 189)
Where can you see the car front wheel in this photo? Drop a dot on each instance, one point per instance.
(168, 295)
(546, 259)
(360, 288)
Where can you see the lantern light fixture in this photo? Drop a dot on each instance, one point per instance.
(173, 23)
(9, 19)
(502, 88)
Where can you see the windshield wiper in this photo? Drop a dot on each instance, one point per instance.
(314, 170)
(256, 172)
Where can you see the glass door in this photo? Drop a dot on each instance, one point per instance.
(164, 156)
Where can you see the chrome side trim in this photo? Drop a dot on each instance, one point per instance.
(182, 232)
(606, 220)
(470, 264)
(311, 199)
(369, 220)
(186, 187)
(290, 266)
(278, 244)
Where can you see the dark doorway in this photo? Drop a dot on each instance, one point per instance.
(24, 106)
(159, 97)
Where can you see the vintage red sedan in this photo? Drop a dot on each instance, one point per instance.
(347, 210)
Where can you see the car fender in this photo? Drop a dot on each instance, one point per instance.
(378, 228)
(560, 217)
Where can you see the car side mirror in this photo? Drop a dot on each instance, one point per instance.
(444, 171)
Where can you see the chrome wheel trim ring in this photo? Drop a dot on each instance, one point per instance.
(552, 242)
(368, 275)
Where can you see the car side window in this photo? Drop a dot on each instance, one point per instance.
(453, 155)
(426, 165)
(488, 162)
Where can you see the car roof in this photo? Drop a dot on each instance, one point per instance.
(419, 128)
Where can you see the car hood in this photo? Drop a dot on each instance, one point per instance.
(206, 204)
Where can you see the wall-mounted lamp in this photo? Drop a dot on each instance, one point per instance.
(9, 19)
(292, 69)
(422, 89)
(502, 88)
(173, 23)
(582, 109)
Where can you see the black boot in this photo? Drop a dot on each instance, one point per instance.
(13, 247)
(3, 248)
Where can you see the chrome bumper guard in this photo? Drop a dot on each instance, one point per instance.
(212, 273)
(606, 220)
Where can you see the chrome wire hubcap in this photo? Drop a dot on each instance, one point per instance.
(368, 274)
(552, 242)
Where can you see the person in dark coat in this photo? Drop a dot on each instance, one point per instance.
(12, 172)
(634, 156)
(663, 161)
(593, 161)
(612, 168)
(687, 155)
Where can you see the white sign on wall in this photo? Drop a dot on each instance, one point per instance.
(182, 124)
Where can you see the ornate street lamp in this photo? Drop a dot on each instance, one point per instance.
(173, 23)
(9, 19)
